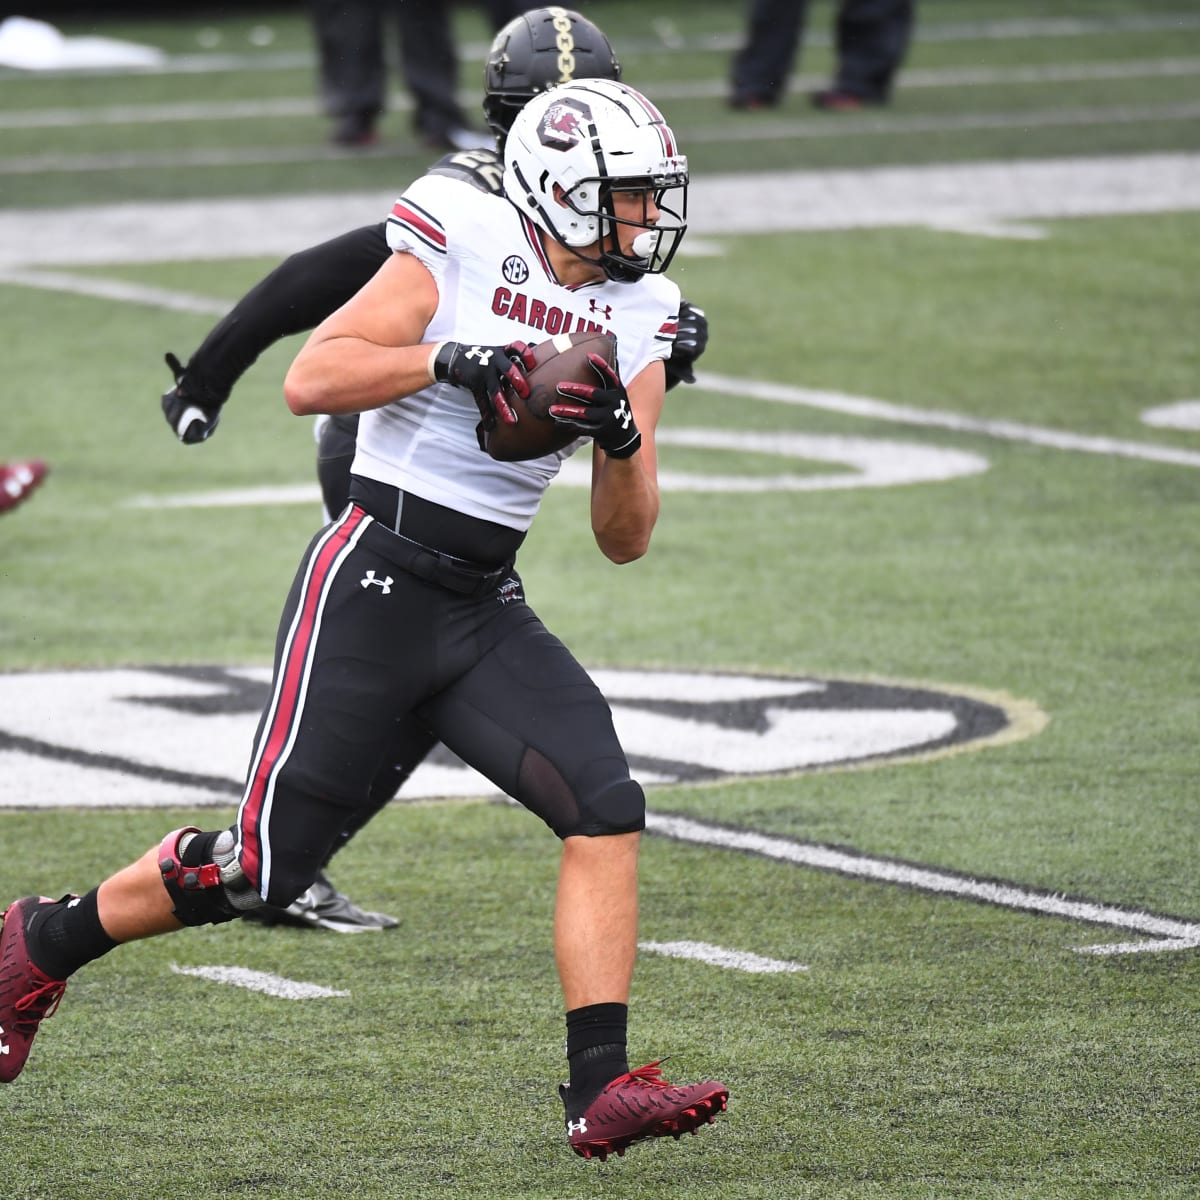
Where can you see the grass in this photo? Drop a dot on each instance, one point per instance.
(933, 1047)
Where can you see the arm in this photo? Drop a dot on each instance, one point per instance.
(369, 352)
(300, 293)
(625, 490)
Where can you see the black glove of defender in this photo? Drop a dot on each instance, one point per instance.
(192, 411)
(691, 339)
(486, 371)
(600, 412)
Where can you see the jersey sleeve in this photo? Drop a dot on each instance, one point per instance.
(417, 222)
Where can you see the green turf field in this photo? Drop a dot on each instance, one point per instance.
(921, 473)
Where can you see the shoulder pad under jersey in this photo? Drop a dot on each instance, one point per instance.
(483, 169)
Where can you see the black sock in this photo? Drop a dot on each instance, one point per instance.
(62, 937)
(595, 1052)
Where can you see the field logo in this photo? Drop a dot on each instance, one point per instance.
(181, 736)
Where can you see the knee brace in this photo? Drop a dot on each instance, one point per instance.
(203, 877)
(619, 808)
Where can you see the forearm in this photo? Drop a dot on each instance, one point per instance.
(625, 505)
(349, 375)
(297, 296)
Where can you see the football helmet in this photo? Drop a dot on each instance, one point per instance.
(536, 50)
(591, 139)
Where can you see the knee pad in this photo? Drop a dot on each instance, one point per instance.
(619, 808)
(204, 878)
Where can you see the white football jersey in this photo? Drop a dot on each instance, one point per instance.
(495, 286)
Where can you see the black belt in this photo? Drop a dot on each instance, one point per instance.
(456, 575)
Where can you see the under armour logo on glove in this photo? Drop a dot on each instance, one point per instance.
(623, 415)
(482, 353)
(385, 584)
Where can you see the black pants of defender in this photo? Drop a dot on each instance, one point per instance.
(872, 39)
(362, 645)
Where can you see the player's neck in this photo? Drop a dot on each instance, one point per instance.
(569, 268)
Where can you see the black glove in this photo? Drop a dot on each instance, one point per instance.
(486, 371)
(691, 338)
(601, 412)
(191, 409)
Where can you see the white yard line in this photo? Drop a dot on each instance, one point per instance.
(261, 981)
(308, 105)
(768, 202)
(1176, 934)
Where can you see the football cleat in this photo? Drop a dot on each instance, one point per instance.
(642, 1104)
(18, 480)
(27, 995)
(322, 906)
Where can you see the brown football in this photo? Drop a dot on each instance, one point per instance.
(560, 359)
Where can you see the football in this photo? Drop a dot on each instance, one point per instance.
(560, 359)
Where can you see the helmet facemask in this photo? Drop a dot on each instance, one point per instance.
(658, 236)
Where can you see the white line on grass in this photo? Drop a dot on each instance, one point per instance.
(718, 205)
(768, 130)
(261, 981)
(288, 107)
(1179, 934)
(882, 410)
(718, 956)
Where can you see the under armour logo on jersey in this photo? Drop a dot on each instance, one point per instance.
(606, 309)
(484, 354)
(622, 414)
(579, 1126)
(369, 578)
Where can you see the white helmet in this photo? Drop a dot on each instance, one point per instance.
(592, 137)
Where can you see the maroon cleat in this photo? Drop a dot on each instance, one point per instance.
(18, 480)
(27, 995)
(641, 1105)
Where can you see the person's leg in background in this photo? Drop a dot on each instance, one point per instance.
(353, 75)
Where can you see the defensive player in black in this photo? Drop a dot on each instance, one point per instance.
(535, 51)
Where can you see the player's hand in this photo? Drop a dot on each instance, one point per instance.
(486, 372)
(691, 339)
(600, 411)
(191, 412)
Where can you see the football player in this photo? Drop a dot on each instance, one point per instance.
(535, 51)
(409, 603)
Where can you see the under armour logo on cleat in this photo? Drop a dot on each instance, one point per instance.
(369, 578)
(579, 1126)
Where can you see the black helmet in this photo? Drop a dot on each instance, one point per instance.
(536, 50)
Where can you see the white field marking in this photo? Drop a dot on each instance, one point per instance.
(718, 956)
(114, 289)
(783, 201)
(1179, 935)
(261, 981)
(288, 107)
(768, 130)
(1184, 414)
(666, 37)
(870, 462)
(890, 124)
(881, 410)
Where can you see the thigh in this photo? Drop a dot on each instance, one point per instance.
(529, 717)
(353, 659)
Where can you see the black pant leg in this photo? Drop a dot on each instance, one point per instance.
(353, 75)
(762, 66)
(872, 40)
